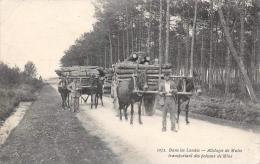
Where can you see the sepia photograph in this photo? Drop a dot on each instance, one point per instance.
(129, 81)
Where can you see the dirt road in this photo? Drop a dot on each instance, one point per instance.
(200, 142)
(49, 135)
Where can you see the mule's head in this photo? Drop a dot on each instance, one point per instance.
(101, 81)
(192, 84)
(197, 84)
(141, 81)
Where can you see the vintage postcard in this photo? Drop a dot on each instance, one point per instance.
(129, 81)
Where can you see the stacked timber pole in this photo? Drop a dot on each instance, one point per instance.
(125, 71)
(78, 71)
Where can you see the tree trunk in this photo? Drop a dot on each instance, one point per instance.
(148, 43)
(178, 57)
(253, 57)
(236, 57)
(228, 62)
(160, 41)
(193, 38)
(110, 49)
(160, 33)
(132, 38)
(123, 44)
(127, 33)
(242, 43)
(105, 56)
(187, 49)
(118, 47)
(166, 57)
(215, 58)
(210, 73)
(202, 74)
(227, 76)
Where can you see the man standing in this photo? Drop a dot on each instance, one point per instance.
(167, 90)
(62, 88)
(114, 94)
(74, 89)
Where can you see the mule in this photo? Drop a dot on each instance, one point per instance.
(127, 96)
(185, 99)
(91, 91)
(99, 91)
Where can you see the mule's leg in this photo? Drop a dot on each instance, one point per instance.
(178, 110)
(101, 99)
(95, 100)
(187, 112)
(91, 102)
(97, 96)
(132, 113)
(140, 112)
(86, 99)
(120, 111)
(125, 111)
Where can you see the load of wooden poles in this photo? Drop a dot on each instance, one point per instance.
(78, 71)
(125, 71)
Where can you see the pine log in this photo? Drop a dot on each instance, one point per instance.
(152, 83)
(131, 71)
(140, 66)
(153, 80)
(124, 76)
(123, 79)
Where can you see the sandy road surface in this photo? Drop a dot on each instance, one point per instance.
(146, 143)
(49, 135)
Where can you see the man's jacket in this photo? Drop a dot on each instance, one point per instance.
(173, 87)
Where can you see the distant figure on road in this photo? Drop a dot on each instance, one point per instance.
(62, 88)
(114, 94)
(73, 87)
(167, 101)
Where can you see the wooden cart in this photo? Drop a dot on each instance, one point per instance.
(153, 72)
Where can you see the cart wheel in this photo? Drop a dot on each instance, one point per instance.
(149, 100)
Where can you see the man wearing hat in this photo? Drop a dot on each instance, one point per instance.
(74, 87)
(167, 91)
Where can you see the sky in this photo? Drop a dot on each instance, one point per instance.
(41, 30)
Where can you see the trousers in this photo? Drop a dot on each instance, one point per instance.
(169, 106)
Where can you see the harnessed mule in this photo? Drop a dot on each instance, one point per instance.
(185, 99)
(99, 90)
(127, 95)
(90, 90)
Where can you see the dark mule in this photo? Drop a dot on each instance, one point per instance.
(127, 96)
(99, 90)
(64, 92)
(185, 99)
(90, 90)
